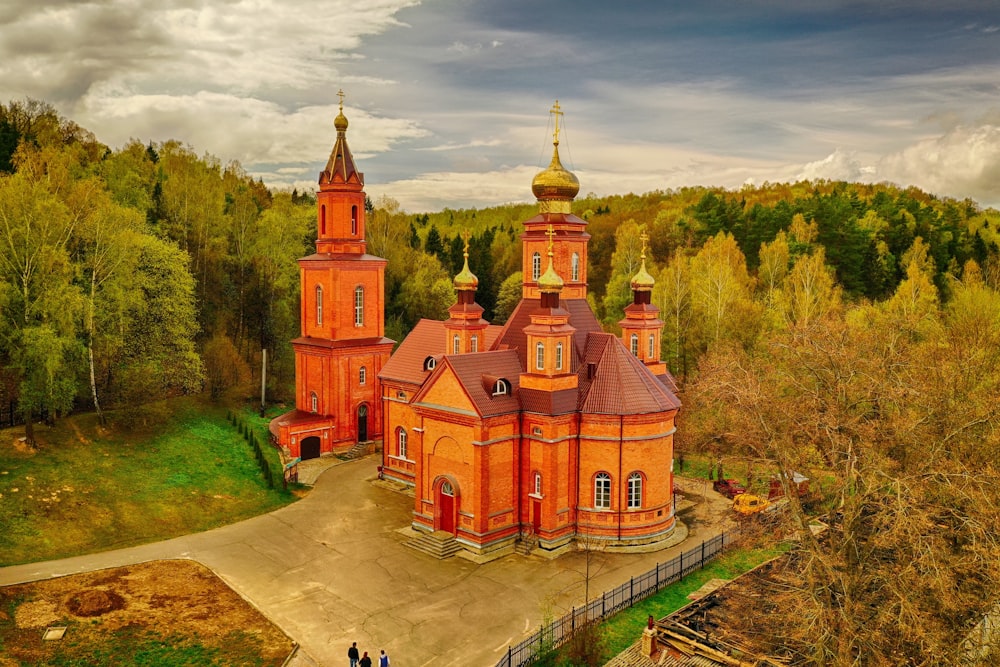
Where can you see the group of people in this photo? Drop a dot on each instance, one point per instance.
(364, 660)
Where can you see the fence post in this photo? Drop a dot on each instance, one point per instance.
(509, 657)
(631, 590)
(572, 622)
(703, 553)
(604, 596)
(681, 572)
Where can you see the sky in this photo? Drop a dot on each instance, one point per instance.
(448, 100)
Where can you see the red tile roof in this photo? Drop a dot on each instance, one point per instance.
(426, 339)
(580, 316)
(618, 383)
(477, 372)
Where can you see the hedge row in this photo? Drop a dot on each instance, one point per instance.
(273, 474)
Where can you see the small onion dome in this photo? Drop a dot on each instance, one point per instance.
(550, 280)
(555, 182)
(642, 281)
(466, 280)
(340, 122)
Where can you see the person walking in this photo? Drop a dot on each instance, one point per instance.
(352, 654)
(365, 661)
(383, 659)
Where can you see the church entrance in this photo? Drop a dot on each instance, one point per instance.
(446, 508)
(310, 448)
(362, 423)
(536, 515)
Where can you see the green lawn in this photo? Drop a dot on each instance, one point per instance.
(88, 488)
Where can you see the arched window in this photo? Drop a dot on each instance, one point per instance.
(536, 266)
(354, 221)
(429, 364)
(362, 375)
(575, 266)
(634, 344)
(456, 344)
(540, 356)
(652, 347)
(322, 220)
(501, 387)
(313, 402)
(319, 305)
(559, 356)
(538, 483)
(635, 491)
(359, 306)
(602, 491)
(401, 443)
(475, 343)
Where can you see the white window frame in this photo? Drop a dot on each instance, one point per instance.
(359, 306)
(635, 491)
(456, 344)
(539, 356)
(634, 344)
(536, 265)
(575, 267)
(652, 346)
(500, 388)
(559, 356)
(314, 401)
(319, 305)
(538, 484)
(362, 375)
(475, 343)
(602, 491)
(401, 439)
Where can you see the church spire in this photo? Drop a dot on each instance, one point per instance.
(555, 187)
(340, 167)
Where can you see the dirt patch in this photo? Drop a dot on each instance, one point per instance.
(179, 602)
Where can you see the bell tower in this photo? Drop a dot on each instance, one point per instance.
(342, 346)
(642, 325)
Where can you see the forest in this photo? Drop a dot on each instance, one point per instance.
(848, 331)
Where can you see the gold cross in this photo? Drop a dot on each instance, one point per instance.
(466, 235)
(550, 233)
(340, 94)
(556, 111)
(643, 236)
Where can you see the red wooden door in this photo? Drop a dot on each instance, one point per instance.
(536, 515)
(446, 507)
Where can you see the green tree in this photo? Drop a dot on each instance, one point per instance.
(508, 297)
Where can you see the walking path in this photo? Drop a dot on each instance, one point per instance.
(332, 569)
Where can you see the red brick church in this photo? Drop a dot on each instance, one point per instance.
(543, 431)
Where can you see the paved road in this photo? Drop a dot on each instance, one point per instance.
(332, 569)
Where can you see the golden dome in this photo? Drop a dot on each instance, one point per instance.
(555, 182)
(340, 122)
(642, 281)
(550, 281)
(466, 279)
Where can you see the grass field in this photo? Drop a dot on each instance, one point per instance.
(87, 488)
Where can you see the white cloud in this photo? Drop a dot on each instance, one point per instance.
(963, 162)
(837, 166)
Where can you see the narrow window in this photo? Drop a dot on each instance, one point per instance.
(359, 306)
(313, 402)
(362, 375)
(652, 347)
(634, 345)
(540, 356)
(602, 491)
(475, 343)
(575, 266)
(559, 355)
(354, 221)
(322, 220)
(634, 491)
(538, 483)
(319, 305)
(536, 266)
(401, 443)
(456, 344)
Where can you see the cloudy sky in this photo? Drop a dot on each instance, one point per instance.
(448, 99)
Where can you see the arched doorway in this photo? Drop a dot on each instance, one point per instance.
(363, 422)
(309, 448)
(445, 502)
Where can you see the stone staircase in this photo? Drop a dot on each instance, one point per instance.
(526, 544)
(439, 544)
(357, 451)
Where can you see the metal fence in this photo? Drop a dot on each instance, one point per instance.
(10, 415)
(638, 588)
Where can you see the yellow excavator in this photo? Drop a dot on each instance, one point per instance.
(746, 504)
